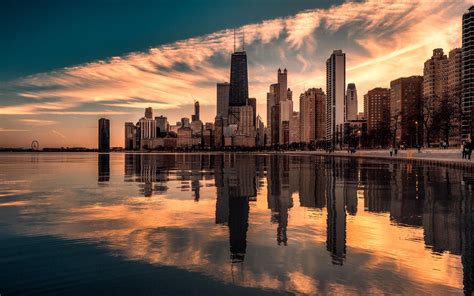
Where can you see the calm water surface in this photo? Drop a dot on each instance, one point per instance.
(84, 223)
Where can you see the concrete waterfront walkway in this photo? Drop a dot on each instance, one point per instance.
(451, 157)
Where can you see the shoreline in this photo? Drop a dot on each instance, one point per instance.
(448, 157)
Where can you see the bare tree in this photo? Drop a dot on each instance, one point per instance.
(444, 117)
(430, 125)
(394, 126)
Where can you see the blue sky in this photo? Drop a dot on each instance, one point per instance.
(40, 36)
(67, 63)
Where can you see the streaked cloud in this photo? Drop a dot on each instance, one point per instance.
(58, 134)
(383, 40)
(38, 122)
(6, 130)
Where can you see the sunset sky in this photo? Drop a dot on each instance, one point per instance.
(65, 64)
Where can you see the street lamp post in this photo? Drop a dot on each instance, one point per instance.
(359, 132)
(416, 124)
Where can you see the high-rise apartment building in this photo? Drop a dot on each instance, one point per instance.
(435, 76)
(454, 94)
(377, 112)
(223, 99)
(104, 135)
(312, 115)
(467, 123)
(320, 115)
(147, 128)
(406, 98)
(131, 137)
(307, 116)
(351, 102)
(162, 126)
(147, 125)
(335, 91)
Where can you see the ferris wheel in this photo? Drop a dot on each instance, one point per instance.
(35, 145)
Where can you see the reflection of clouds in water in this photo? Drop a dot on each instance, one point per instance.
(385, 240)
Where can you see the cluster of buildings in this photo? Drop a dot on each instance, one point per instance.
(435, 108)
(236, 123)
(156, 132)
(427, 110)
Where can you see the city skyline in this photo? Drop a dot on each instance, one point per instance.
(48, 106)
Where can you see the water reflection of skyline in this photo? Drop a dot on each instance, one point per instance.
(302, 224)
(436, 200)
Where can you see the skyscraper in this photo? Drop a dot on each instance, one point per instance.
(286, 113)
(219, 125)
(149, 113)
(467, 126)
(253, 102)
(454, 94)
(131, 138)
(246, 123)
(335, 89)
(196, 116)
(307, 116)
(286, 106)
(435, 74)
(295, 128)
(351, 102)
(272, 101)
(275, 125)
(223, 99)
(147, 125)
(238, 88)
(312, 115)
(282, 78)
(104, 135)
(162, 125)
(279, 99)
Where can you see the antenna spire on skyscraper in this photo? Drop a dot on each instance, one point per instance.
(243, 39)
(234, 39)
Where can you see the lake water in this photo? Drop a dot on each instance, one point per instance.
(83, 223)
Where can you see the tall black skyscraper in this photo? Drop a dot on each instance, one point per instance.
(239, 85)
(104, 135)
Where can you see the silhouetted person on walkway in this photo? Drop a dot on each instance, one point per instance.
(469, 150)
